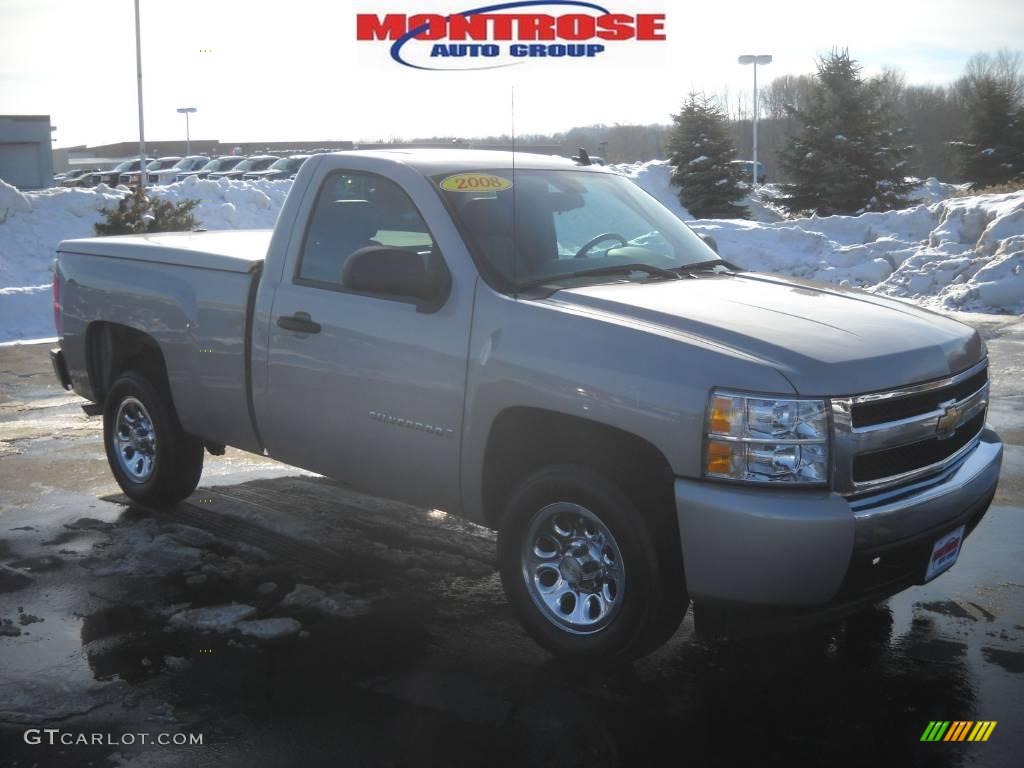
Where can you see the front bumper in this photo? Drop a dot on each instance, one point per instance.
(817, 549)
(60, 368)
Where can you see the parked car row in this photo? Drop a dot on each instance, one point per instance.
(161, 163)
(254, 163)
(282, 168)
(71, 177)
(216, 165)
(169, 175)
(167, 170)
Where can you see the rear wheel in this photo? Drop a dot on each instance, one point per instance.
(581, 566)
(151, 457)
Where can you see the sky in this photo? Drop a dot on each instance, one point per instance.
(292, 70)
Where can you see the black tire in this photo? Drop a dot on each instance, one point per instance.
(177, 462)
(653, 598)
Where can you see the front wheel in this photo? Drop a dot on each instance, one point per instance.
(581, 566)
(151, 457)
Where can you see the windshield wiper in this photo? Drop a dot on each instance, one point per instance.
(700, 266)
(617, 269)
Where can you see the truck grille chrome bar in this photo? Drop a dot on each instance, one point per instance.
(888, 439)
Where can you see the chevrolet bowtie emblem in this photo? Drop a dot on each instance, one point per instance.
(948, 421)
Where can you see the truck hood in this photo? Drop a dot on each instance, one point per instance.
(824, 340)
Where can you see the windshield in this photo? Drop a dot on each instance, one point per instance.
(255, 164)
(222, 164)
(189, 163)
(288, 164)
(567, 222)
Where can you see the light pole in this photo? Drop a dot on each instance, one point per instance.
(138, 72)
(761, 58)
(186, 111)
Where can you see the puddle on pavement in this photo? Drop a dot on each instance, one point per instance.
(437, 656)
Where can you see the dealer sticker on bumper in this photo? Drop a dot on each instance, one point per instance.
(944, 553)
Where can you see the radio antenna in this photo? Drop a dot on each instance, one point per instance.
(515, 192)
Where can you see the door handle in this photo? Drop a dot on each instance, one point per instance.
(300, 322)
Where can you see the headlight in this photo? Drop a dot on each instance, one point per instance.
(766, 440)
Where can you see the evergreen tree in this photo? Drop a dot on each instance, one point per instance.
(845, 157)
(137, 214)
(993, 151)
(701, 148)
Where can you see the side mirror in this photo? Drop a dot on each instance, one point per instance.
(709, 241)
(400, 273)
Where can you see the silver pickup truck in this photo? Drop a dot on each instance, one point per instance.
(541, 347)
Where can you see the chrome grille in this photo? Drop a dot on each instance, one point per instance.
(887, 439)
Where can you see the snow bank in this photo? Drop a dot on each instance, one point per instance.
(33, 223)
(11, 201)
(655, 178)
(961, 253)
(761, 206)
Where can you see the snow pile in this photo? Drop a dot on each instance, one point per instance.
(655, 178)
(954, 253)
(934, 191)
(760, 204)
(11, 200)
(33, 223)
(960, 254)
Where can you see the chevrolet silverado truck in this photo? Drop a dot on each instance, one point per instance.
(541, 347)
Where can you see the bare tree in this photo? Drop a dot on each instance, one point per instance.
(1004, 67)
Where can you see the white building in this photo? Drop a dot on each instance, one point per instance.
(26, 156)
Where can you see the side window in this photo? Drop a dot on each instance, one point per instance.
(355, 211)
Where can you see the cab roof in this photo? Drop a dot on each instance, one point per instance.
(435, 161)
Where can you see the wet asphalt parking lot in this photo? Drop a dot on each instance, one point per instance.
(290, 621)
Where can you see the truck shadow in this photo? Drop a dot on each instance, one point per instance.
(408, 654)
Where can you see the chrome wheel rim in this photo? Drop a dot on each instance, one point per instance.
(573, 569)
(134, 440)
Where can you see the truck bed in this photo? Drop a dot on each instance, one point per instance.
(226, 250)
(190, 292)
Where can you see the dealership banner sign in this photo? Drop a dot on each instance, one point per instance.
(507, 34)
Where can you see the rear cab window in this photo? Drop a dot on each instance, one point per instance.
(356, 210)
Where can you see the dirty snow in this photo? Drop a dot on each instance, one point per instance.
(147, 549)
(269, 629)
(336, 603)
(947, 253)
(213, 618)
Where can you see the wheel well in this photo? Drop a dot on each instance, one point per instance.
(112, 348)
(523, 440)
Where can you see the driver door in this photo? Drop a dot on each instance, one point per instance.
(365, 388)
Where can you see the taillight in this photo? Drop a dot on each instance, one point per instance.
(56, 302)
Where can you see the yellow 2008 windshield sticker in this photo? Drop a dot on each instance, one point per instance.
(475, 182)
